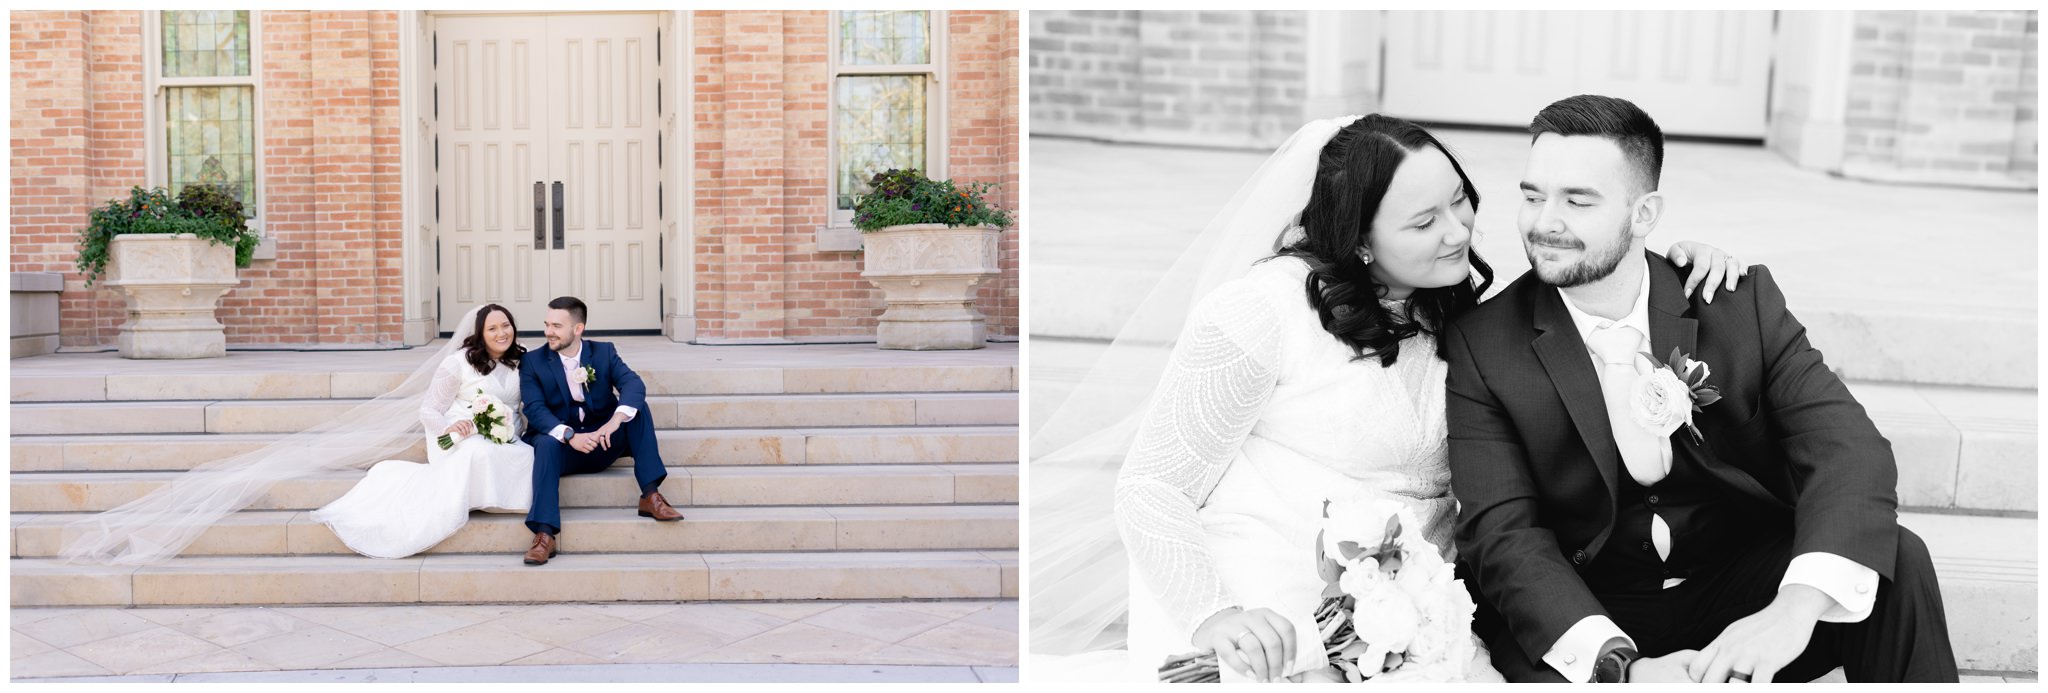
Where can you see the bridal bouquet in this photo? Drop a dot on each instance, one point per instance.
(491, 418)
(1391, 610)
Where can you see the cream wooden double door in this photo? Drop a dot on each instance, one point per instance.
(1696, 73)
(546, 166)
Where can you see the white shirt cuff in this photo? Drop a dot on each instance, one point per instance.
(629, 412)
(560, 433)
(1574, 653)
(1852, 585)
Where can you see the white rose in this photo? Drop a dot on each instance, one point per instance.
(1661, 402)
(1361, 577)
(1386, 619)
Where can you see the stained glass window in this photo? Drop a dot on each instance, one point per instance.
(210, 135)
(880, 127)
(206, 43)
(885, 37)
(209, 100)
(885, 71)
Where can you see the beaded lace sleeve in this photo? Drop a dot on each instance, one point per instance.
(441, 394)
(1215, 385)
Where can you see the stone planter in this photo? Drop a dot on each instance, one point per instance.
(928, 274)
(173, 283)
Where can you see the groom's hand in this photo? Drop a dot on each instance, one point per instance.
(1758, 646)
(583, 442)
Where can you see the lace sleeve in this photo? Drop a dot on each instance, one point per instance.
(1217, 382)
(440, 395)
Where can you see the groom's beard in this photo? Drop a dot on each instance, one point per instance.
(1587, 270)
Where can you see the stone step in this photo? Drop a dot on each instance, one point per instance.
(1989, 586)
(570, 577)
(669, 412)
(605, 530)
(1959, 447)
(219, 379)
(685, 487)
(694, 447)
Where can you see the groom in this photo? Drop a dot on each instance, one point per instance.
(582, 407)
(1614, 542)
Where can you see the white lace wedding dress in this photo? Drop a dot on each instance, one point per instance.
(1262, 415)
(404, 507)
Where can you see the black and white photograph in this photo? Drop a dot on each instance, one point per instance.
(1532, 346)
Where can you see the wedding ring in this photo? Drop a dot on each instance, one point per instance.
(1239, 640)
(1738, 676)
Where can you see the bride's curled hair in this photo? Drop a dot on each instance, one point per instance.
(478, 355)
(1352, 176)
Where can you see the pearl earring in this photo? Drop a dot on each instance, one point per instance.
(1365, 255)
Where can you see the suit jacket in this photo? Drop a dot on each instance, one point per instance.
(544, 389)
(1537, 473)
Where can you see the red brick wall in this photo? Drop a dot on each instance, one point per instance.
(1943, 95)
(761, 115)
(330, 199)
(1213, 78)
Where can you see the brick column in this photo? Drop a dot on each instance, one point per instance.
(358, 286)
(982, 137)
(741, 205)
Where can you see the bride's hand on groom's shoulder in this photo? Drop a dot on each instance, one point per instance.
(1710, 266)
(1256, 643)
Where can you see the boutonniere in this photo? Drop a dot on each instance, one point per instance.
(1669, 395)
(587, 374)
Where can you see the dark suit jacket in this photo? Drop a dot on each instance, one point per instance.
(1536, 471)
(544, 389)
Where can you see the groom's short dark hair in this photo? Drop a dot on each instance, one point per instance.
(1640, 140)
(575, 307)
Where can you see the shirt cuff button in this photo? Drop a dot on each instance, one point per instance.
(1571, 659)
(1863, 589)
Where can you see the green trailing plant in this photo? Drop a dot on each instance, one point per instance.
(203, 210)
(905, 196)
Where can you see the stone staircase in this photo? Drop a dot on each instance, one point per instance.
(890, 477)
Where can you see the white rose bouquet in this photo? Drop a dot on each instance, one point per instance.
(492, 419)
(1392, 609)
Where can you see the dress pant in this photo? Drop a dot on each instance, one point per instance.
(1903, 640)
(554, 459)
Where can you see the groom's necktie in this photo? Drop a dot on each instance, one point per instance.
(1647, 456)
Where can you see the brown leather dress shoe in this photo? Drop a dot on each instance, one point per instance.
(543, 549)
(654, 506)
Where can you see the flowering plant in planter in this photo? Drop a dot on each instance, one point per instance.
(204, 210)
(905, 196)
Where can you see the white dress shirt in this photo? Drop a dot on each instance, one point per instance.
(1853, 586)
(570, 364)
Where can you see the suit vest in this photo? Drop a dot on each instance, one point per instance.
(1707, 521)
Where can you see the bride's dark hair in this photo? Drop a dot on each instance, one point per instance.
(1352, 176)
(479, 356)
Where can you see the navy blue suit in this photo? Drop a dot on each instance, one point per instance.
(544, 389)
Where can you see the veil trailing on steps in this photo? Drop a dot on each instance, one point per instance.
(161, 524)
(1079, 586)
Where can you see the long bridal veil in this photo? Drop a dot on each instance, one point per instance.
(1079, 586)
(161, 524)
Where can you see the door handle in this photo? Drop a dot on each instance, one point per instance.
(540, 216)
(558, 215)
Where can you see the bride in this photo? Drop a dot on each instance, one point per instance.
(1307, 371)
(400, 508)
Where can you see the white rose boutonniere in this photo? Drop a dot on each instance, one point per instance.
(586, 374)
(1669, 395)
